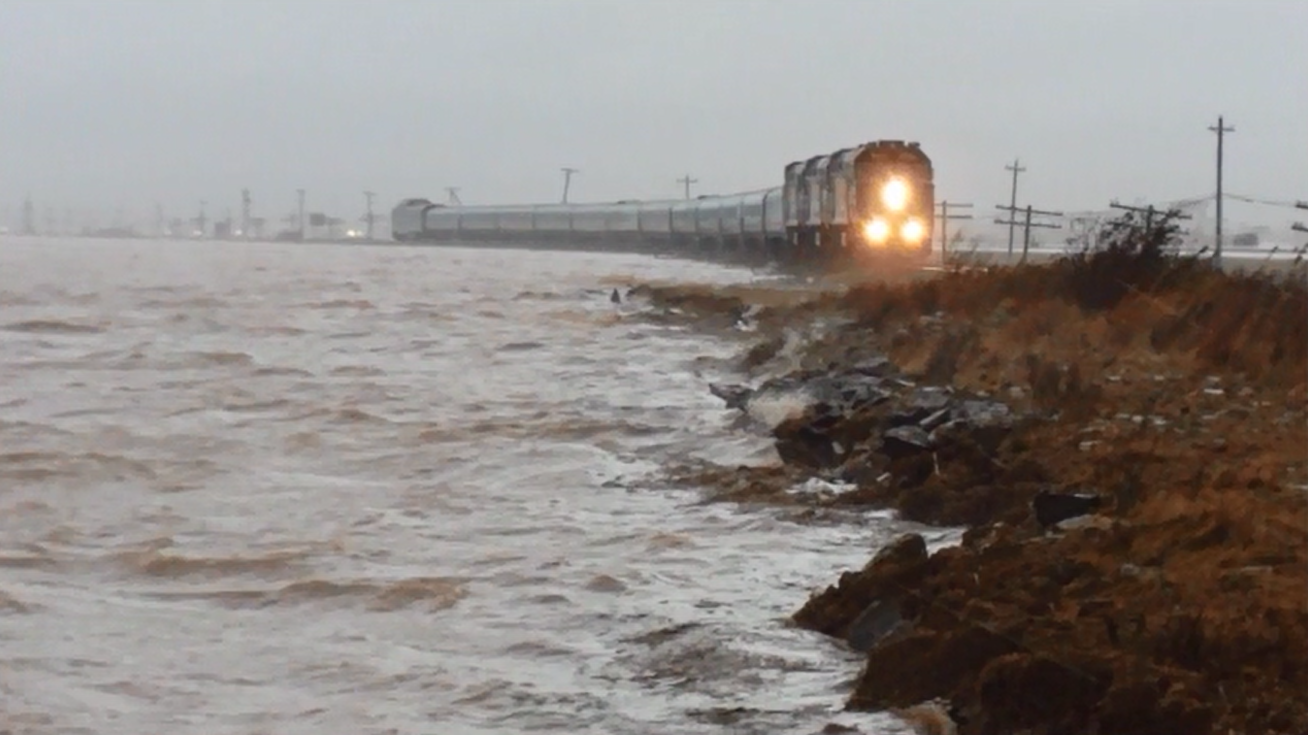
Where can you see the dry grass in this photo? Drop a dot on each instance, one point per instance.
(1177, 392)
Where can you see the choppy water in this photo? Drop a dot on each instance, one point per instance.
(308, 489)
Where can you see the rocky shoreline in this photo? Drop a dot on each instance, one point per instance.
(1124, 434)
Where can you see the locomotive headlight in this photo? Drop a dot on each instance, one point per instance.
(876, 230)
(913, 231)
(895, 195)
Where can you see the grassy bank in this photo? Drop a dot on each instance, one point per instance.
(1125, 435)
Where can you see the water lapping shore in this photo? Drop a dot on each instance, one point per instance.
(314, 489)
(1124, 436)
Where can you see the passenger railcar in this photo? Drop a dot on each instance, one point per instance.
(407, 219)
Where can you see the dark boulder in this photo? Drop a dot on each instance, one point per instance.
(905, 441)
(1053, 508)
(877, 621)
(798, 443)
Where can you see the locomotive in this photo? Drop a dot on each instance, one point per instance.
(872, 200)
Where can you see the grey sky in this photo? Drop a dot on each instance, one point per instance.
(122, 104)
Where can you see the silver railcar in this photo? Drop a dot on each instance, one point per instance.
(683, 220)
(440, 222)
(407, 219)
(655, 218)
(774, 213)
(553, 220)
(751, 214)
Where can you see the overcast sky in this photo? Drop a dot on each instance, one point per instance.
(118, 103)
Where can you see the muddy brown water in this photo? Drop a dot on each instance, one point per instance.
(317, 489)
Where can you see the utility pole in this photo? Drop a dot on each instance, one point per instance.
(1016, 168)
(300, 216)
(945, 216)
(687, 181)
(29, 216)
(368, 218)
(245, 214)
(453, 195)
(567, 181)
(1221, 129)
(1027, 224)
(159, 225)
(202, 220)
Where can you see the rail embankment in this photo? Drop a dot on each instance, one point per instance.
(1123, 434)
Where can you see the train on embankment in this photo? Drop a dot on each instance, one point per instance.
(874, 200)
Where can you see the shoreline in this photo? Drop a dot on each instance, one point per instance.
(1125, 438)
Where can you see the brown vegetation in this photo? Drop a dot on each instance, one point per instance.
(1174, 393)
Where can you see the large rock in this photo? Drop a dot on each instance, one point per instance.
(846, 610)
(799, 443)
(921, 664)
(905, 441)
(878, 620)
(1052, 508)
(920, 405)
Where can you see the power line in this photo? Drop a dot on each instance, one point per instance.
(1150, 212)
(1221, 129)
(687, 181)
(1016, 168)
(1268, 202)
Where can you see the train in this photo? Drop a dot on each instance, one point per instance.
(871, 200)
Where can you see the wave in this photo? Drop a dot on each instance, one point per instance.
(362, 304)
(52, 326)
(275, 371)
(12, 605)
(155, 562)
(357, 416)
(357, 371)
(540, 296)
(520, 346)
(256, 406)
(606, 583)
(431, 594)
(198, 302)
(276, 331)
(31, 560)
(46, 465)
(539, 425)
(218, 358)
